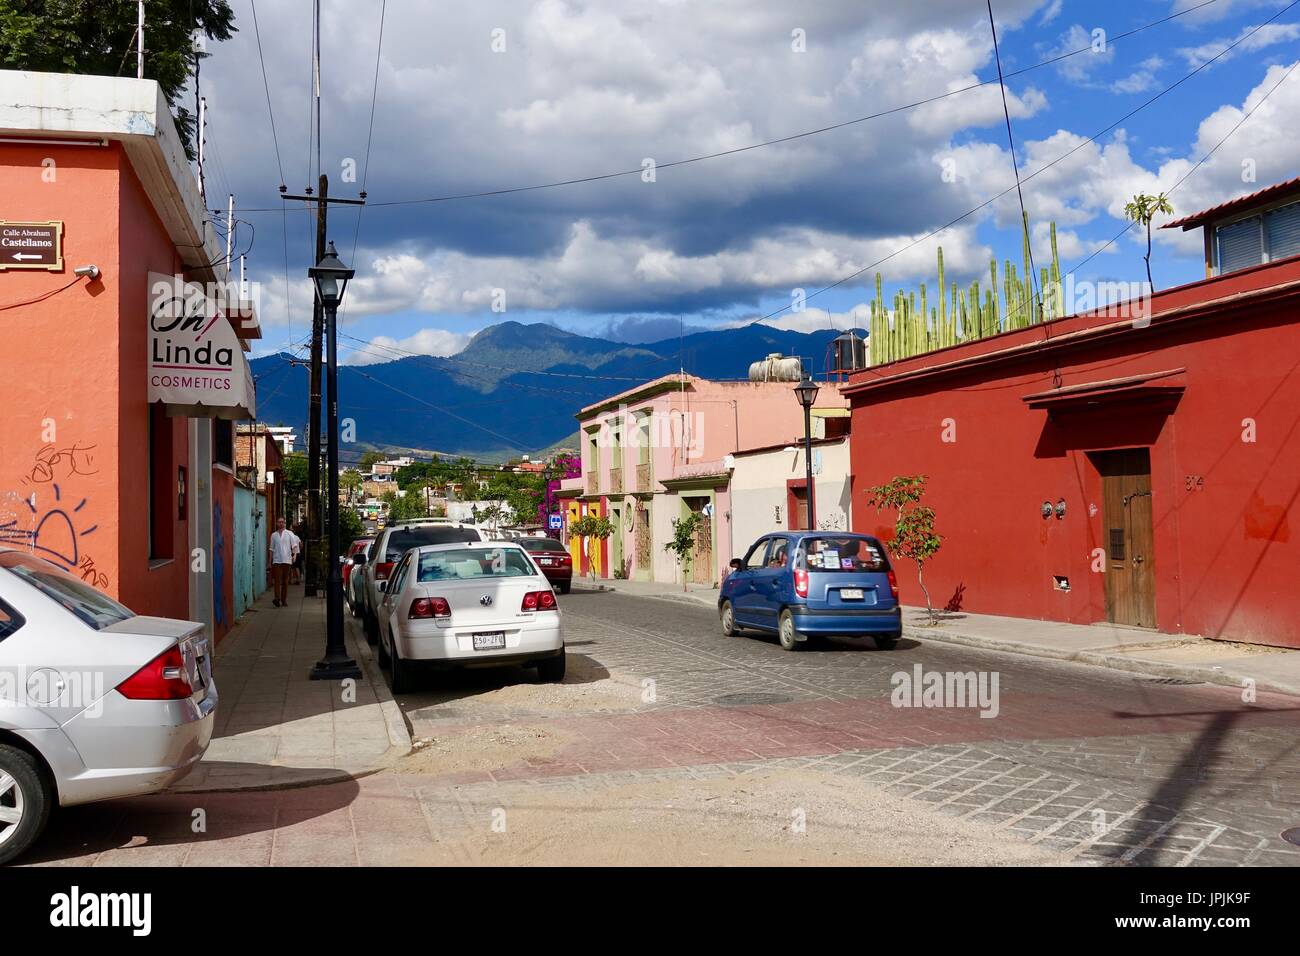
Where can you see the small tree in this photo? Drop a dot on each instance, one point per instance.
(682, 544)
(1142, 209)
(593, 528)
(914, 535)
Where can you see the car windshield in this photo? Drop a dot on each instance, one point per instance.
(844, 553)
(542, 544)
(92, 606)
(403, 540)
(484, 562)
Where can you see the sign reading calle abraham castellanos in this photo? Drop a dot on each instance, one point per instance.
(196, 364)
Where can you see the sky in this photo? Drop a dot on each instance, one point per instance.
(501, 94)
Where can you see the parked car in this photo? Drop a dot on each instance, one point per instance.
(471, 604)
(553, 558)
(96, 702)
(353, 575)
(389, 546)
(808, 584)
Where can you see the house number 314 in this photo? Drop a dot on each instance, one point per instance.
(1195, 482)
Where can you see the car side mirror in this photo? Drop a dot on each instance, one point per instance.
(358, 558)
(383, 587)
(737, 564)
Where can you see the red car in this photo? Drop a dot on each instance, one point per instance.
(554, 560)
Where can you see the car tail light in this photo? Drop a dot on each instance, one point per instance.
(801, 582)
(538, 601)
(429, 608)
(383, 569)
(163, 678)
(893, 583)
(566, 559)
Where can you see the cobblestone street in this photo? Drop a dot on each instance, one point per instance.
(663, 720)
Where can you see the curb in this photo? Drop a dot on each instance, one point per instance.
(399, 735)
(1100, 658)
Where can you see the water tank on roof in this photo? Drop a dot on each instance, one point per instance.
(848, 353)
(776, 368)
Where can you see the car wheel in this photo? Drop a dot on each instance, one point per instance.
(372, 629)
(551, 670)
(399, 672)
(25, 802)
(727, 615)
(564, 588)
(381, 652)
(887, 642)
(787, 634)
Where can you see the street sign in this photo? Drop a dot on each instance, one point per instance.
(554, 522)
(31, 245)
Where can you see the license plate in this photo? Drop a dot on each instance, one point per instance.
(851, 594)
(543, 560)
(492, 640)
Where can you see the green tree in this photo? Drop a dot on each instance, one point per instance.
(593, 528)
(370, 459)
(682, 544)
(1142, 209)
(293, 476)
(350, 482)
(914, 536)
(97, 37)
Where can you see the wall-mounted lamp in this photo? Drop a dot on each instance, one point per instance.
(87, 272)
(1046, 510)
(1060, 508)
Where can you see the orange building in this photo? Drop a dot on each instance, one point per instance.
(97, 202)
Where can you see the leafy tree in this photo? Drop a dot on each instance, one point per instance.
(1142, 209)
(493, 515)
(350, 481)
(370, 459)
(293, 475)
(594, 528)
(914, 536)
(97, 37)
(682, 544)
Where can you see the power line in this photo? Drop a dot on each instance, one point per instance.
(370, 134)
(1042, 169)
(779, 140)
(275, 139)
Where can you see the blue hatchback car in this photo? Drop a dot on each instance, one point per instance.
(802, 584)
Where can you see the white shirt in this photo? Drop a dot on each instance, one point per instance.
(283, 545)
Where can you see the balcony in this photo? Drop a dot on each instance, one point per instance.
(616, 481)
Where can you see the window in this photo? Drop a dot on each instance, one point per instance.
(778, 556)
(10, 620)
(223, 442)
(1268, 237)
(844, 553)
(93, 607)
(541, 544)
(757, 554)
(401, 541)
(484, 562)
(1282, 230)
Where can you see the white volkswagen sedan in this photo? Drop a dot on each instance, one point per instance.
(96, 702)
(470, 604)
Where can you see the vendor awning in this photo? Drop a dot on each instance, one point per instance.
(196, 363)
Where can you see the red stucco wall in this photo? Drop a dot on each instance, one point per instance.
(1226, 548)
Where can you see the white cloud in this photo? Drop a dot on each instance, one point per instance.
(383, 348)
(1268, 35)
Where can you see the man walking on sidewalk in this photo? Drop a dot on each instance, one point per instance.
(284, 549)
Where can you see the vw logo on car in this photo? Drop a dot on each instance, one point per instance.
(486, 600)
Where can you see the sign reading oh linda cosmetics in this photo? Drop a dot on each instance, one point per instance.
(196, 364)
(31, 245)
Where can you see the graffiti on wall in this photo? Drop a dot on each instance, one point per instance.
(51, 528)
(51, 463)
(218, 566)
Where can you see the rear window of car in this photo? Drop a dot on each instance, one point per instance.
(485, 562)
(845, 553)
(400, 542)
(10, 620)
(92, 606)
(542, 544)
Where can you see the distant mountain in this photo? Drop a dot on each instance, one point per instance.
(514, 388)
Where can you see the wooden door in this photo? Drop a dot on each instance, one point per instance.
(1128, 536)
(702, 557)
(798, 517)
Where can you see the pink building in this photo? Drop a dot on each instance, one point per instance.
(665, 449)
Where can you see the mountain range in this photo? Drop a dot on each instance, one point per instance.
(514, 388)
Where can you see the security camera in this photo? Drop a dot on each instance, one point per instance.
(87, 272)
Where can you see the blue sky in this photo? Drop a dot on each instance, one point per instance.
(514, 94)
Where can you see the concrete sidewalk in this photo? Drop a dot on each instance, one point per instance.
(275, 727)
(1103, 645)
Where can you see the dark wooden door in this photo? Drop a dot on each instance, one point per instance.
(1130, 554)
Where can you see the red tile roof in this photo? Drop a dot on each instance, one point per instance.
(1224, 209)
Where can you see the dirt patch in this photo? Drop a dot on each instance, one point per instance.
(773, 818)
(481, 748)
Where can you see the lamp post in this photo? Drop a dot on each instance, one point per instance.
(331, 277)
(807, 391)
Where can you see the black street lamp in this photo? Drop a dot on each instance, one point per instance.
(807, 391)
(331, 278)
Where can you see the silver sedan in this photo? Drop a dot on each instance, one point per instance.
(95, 702)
